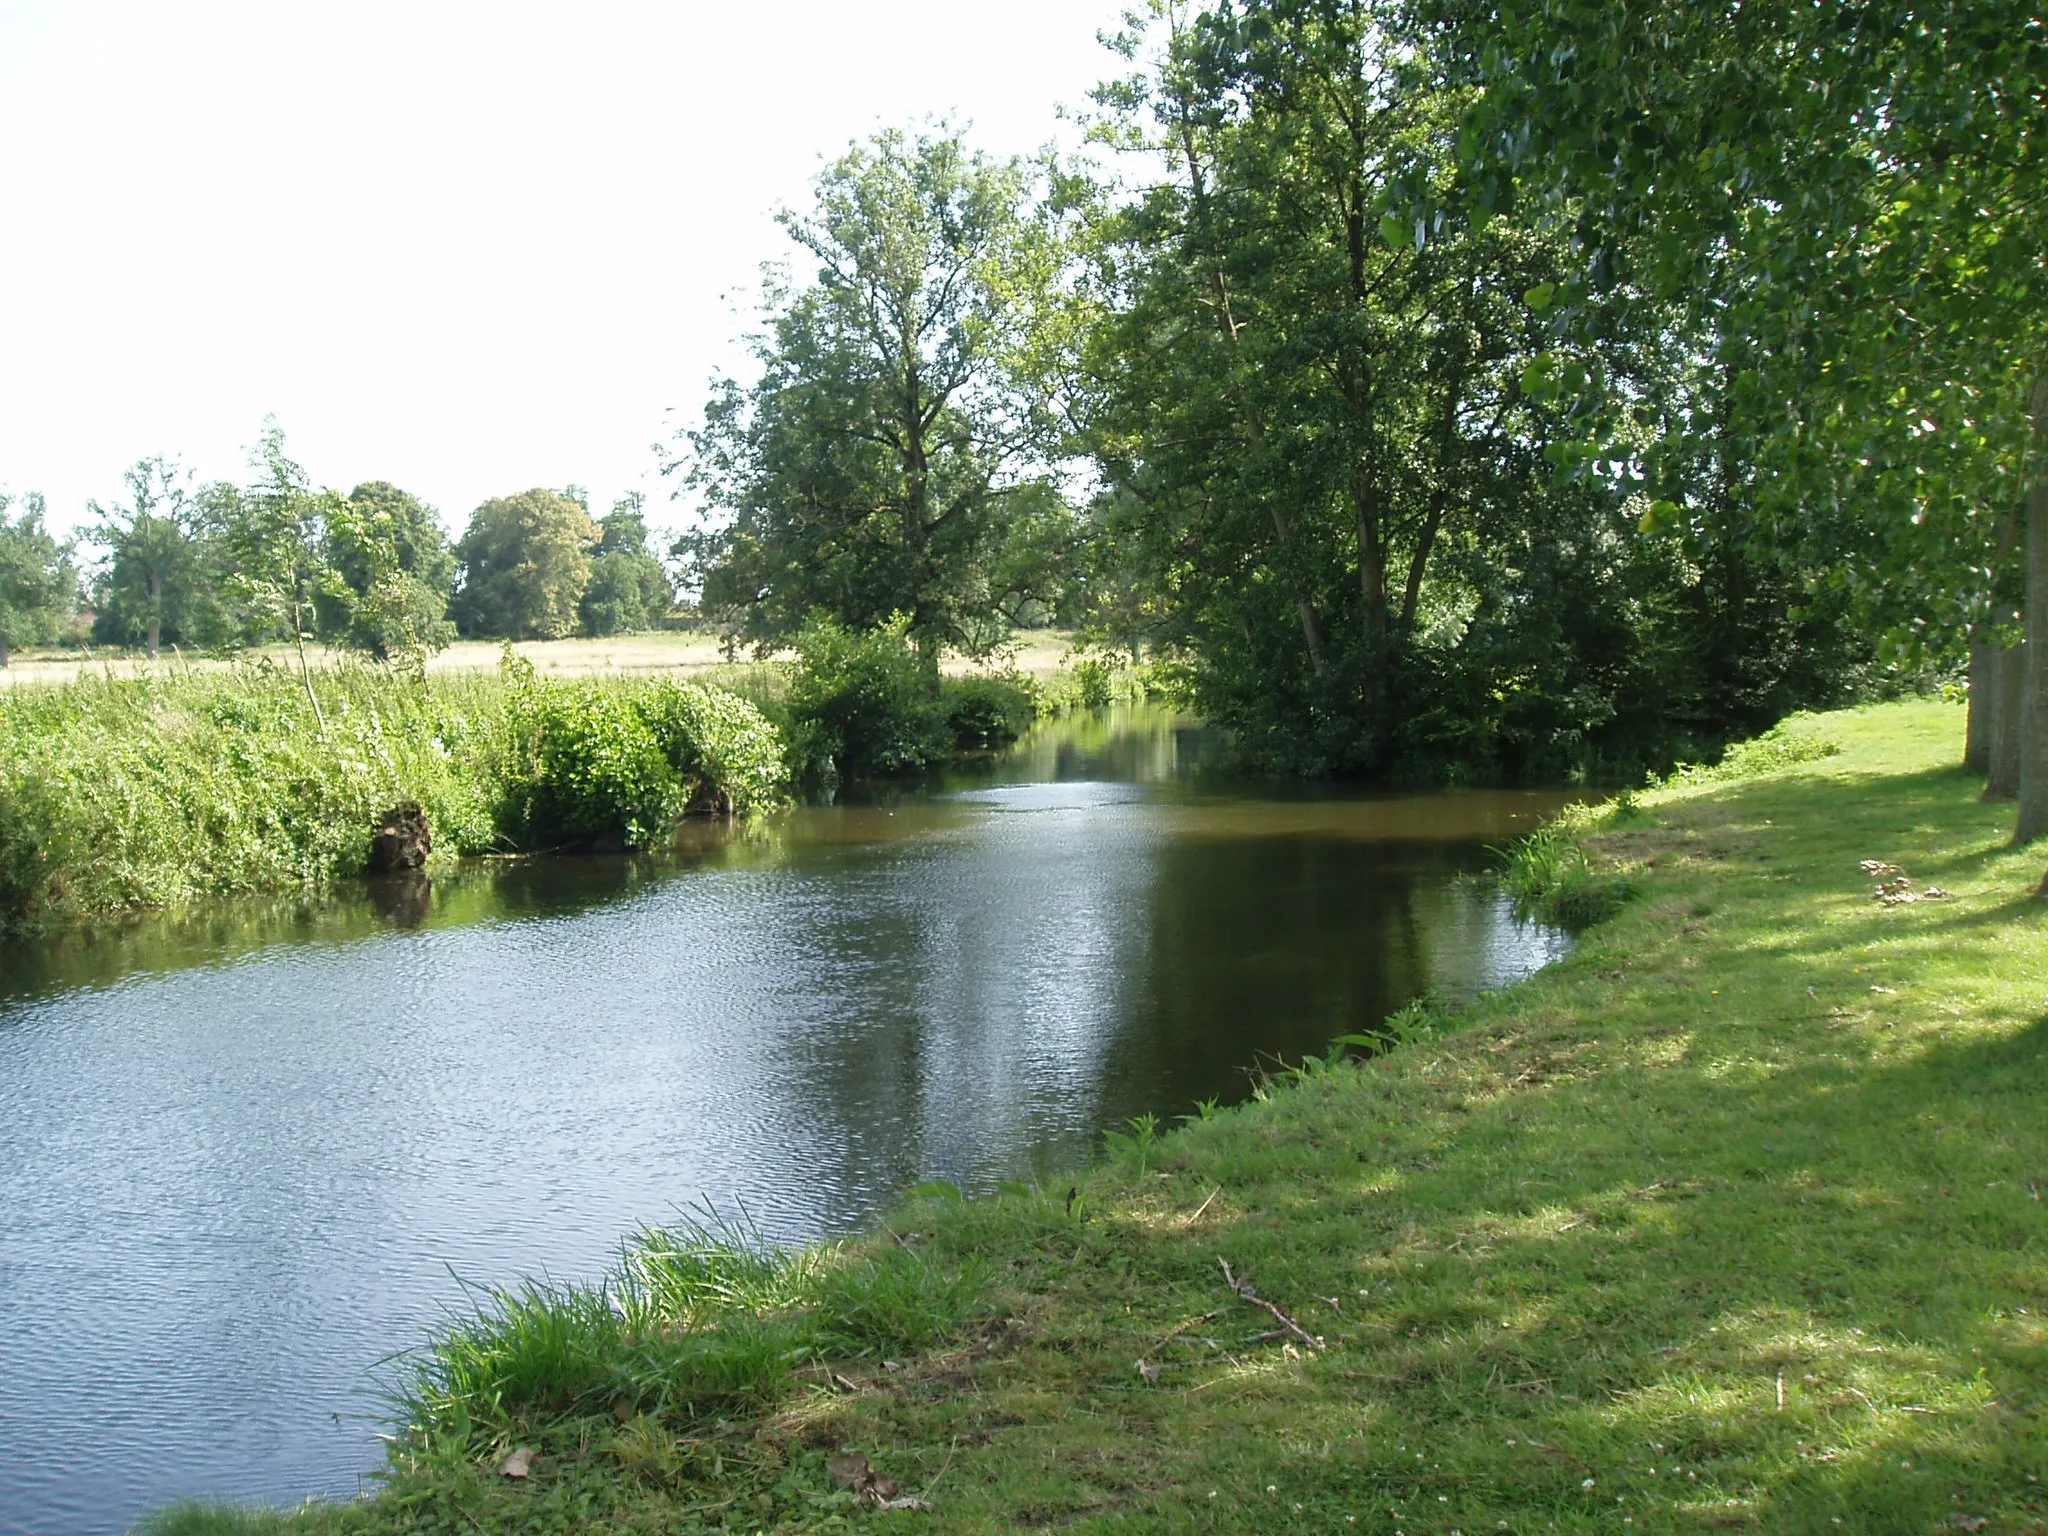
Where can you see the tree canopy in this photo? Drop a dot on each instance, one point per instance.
(897, 452)
(524, 564)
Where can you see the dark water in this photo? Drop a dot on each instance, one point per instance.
(244, 1155)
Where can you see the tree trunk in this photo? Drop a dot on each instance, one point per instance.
(3, 650)
(2002, 698)
(156, 615)
(1983, 703)
(2033, 817)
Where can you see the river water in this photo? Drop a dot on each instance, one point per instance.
(249, 1153)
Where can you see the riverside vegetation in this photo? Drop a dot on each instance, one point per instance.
(116, 794)
(1732, 1220)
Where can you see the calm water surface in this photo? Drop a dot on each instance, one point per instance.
(246, 1155)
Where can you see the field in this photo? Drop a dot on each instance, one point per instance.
(1037, 652)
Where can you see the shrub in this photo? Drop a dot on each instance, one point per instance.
(983, 711)
(586, 768)
(726, 752)
(1783, 745)
(867, 698)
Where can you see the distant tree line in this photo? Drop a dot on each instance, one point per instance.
(221, 565)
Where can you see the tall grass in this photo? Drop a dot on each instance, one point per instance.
(146, 791)
(697, 1318)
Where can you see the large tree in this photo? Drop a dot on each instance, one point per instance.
(904, 417)
(629, 587)
(525, 562)
(1327, 452)
(158, 577)
(1848, 200)
(394, 573)
(38, 584)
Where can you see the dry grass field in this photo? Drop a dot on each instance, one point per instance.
(1038, 652)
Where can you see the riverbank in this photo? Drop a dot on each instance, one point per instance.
(1733, 1220)
(183, 782)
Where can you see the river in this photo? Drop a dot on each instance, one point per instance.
(248, 1153)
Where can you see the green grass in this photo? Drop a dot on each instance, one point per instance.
(1734, 1220)
(117, 794)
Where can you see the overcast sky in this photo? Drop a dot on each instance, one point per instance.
(464, 247)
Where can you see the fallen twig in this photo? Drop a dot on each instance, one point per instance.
(1242, 1289)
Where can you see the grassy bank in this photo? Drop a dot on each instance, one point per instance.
(1734, 1220)
(182, 782)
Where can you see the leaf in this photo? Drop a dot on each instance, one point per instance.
(518, 1465)
(1539, 297)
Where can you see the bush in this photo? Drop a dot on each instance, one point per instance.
(1783, 745)
(586, 768)
(726, 752)
(866, 700)
(984, 711)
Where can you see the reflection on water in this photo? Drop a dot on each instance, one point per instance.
(244, 1152)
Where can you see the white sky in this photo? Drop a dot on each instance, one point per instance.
(466, 247)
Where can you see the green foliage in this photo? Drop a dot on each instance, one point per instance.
(866, 698)
(898, 451)
(696, 1319)
(162, 578)
(118, 794)
(629, 588)
(1785, 745)
(525, 564)
(38, 587)
(393, 572)
(1332, 496)
(983, 710)
(726, 753)
(584, 767)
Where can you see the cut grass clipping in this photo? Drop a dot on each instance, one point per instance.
(1733, 1220)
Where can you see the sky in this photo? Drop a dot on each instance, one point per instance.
(464, 247)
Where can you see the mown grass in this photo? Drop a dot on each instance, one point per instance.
(1734, 1220)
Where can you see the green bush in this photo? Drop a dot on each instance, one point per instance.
(1785, 744)
(586, 769)
(866, 700)
(179, 784)
(983, 711)
(727, 753)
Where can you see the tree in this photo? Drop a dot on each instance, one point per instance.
(1324, 450)
(394, 573)
(38, 584)
(156, 562)
(274, 537)
(1847, 200)
(629, 587)
(524, 563)
(906, 401)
